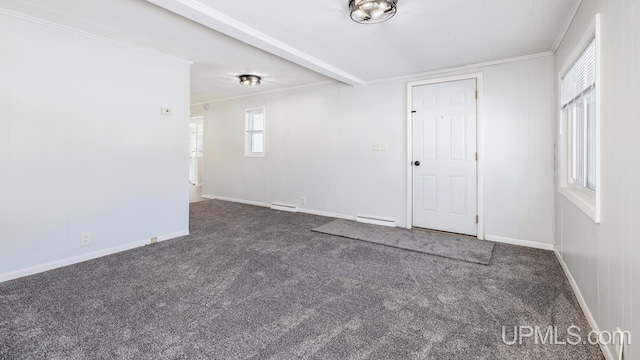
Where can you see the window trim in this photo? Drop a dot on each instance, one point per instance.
(585, 199)
(199, 121)
(247, 144)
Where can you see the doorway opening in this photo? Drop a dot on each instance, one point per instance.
(196, 135)
(444, 178)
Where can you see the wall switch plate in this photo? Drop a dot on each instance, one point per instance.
(85, 239)
(377, 146)
(303, 200)
(167, 111)
(153, 240)
(385, 146)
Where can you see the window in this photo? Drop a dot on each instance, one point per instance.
(195, 138)
(579, 156)
(579, 112)
(254, 136)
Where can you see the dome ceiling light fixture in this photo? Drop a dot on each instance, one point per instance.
(372, 11)
(251, 80)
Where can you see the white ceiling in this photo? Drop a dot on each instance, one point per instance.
(217, 59)
(425, 35)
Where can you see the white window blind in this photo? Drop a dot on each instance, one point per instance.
(578, 103)
(581, 78)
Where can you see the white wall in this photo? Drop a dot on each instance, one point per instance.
(319, 143)
(603, 258)
(83, 147)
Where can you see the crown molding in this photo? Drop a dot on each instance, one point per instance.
(464, 67)
(567, 25)
(398, 78)
(204, 15)
(91, 36)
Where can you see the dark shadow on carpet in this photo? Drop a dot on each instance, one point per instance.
(452, 246)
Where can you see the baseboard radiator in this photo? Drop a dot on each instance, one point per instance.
(284, 207)
(376, 220)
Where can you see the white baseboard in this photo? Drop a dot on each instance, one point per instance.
(299, 209)
(174, 235)
(239, 201)
(365, 219)
(284, 207)
(583, 304)
(525, 243)
(84, 257)
(326, 214)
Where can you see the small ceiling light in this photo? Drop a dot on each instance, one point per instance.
(251, 80)
(372, 11)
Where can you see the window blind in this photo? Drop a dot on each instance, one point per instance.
(581, 78)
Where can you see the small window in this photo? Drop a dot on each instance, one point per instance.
(254, 137)
(196, 138)
(579, 112)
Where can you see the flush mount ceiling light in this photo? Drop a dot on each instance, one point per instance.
(372, 11)
(251, 80)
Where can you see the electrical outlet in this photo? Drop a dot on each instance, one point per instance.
(377, 146)
(303, 200)
(154, 240)
(385, 146)
(166, 111)
(85, 239)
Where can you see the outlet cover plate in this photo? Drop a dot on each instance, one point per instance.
(85, 239)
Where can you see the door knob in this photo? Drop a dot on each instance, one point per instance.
(417, 163)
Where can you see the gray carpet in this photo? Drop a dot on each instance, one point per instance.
(451, 246)
(253, 283)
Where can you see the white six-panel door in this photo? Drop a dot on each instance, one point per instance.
(444, 157)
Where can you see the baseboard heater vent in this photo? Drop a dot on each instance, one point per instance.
(376, 221)
(284, 207)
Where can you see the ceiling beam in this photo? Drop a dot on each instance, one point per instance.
(202, 14)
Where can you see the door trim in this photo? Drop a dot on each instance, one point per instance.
(479, 144)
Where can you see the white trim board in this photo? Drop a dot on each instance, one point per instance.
(284, 207)
(300, 210)
(84, 257)
(567, 25)
(525, 243)
(475, 66)
(374, 220)
(583, 304)
(590, 205)
(239, 201)
(470, 67)
(199, 12)
(92, 36)
(327, 214)
(479, 144)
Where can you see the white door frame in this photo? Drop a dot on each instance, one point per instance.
(479, 145)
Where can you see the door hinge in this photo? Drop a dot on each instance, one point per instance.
(476, 156)
(477, 219)
(476, 94)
